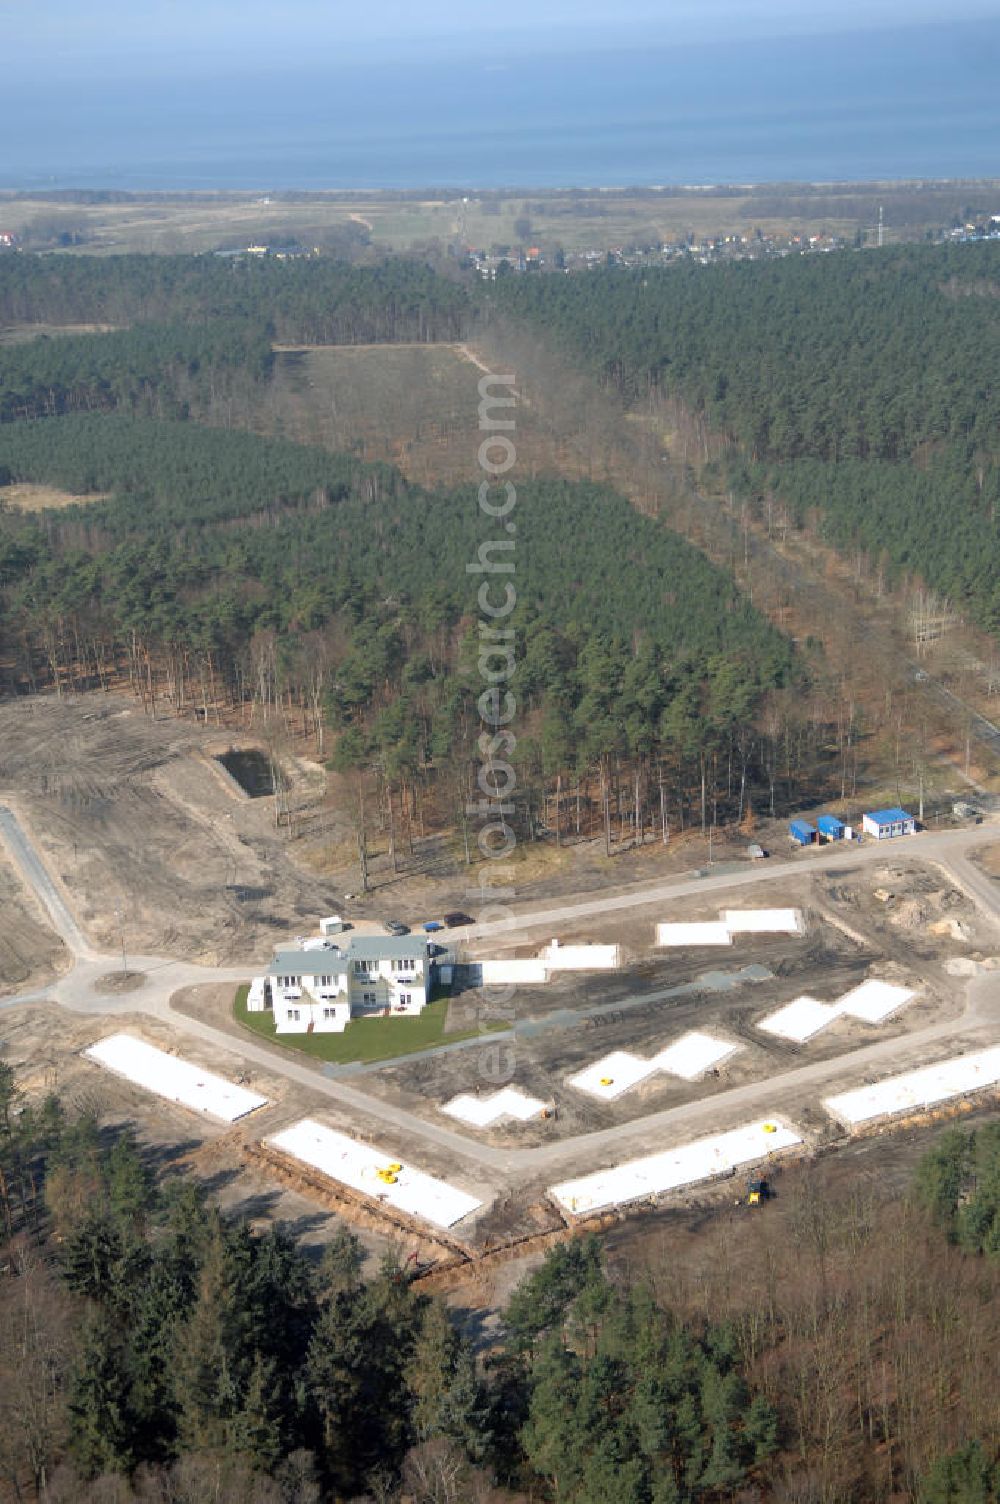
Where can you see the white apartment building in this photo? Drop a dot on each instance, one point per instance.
(320, 991)
(388, 974)
(308, 992)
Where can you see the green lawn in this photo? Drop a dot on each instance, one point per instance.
(365, 1039)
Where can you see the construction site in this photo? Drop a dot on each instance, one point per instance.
(645, 1048)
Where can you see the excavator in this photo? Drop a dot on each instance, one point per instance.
(758, 1191)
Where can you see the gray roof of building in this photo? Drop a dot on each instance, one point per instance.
(392, 947)
(307, 963)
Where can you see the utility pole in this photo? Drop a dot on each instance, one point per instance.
(119, 915)
(362, 844)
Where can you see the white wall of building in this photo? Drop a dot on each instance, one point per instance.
(887, 832)
(320, 1001)
(303, 1015)
(388, 982)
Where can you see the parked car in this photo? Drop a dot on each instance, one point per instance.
(455, 919)
(430, 926)
(396, 927)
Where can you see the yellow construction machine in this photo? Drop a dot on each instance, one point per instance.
(758, 1191)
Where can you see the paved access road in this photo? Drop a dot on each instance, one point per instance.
(937, 846)
(485, 1166)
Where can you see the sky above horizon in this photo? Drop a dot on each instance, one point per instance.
(390, 93)
(232, 34)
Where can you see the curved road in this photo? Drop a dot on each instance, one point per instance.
(484, 1165)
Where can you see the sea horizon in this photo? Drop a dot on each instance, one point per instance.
(903, 104)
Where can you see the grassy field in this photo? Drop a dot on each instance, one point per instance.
(591, 220)
(366, 1039)
(226, 222)
(416, 406)
(340, 396)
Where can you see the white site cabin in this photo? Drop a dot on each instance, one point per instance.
(320, 991)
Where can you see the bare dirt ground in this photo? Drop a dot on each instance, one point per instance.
(44, 1044)
(23, 334)
(134, 815)
(25, 497)
(30, 951)
(877, 1167)
(988, 858)
(134, 812)
(908, 937)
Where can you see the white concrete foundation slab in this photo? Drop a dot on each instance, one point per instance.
(874, 1000)
(762, 921)
(693, 1054)
(481, 1112)
(524, 971)
(558, 957)
(800, 1019)
(175, 1079)
(958, 1077)
(612, 1075)
(710, 932)
(703, 1160)
(357, 1166)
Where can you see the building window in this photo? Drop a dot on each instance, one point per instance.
(293, 1014)
(406, 997)
(369, 997)
(329, 1012)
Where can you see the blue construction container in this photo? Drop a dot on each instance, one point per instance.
(801, 833)
(830, 828)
